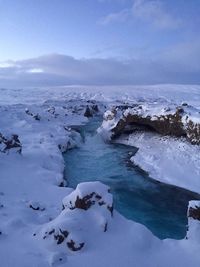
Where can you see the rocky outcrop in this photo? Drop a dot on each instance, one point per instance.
(36, 206)
(87, 211)
(85, 201)
(193, 131)
(91, 110)
(37, 117)
(11, 143)
(72, 139)
(193, 221)
(174, 121)
(194, 211)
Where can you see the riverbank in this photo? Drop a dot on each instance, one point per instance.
(158, 206)
(167, 159)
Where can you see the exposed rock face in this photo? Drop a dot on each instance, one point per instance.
(91, 110)
(193, 132)
(88, 112)
(194, 212)
(193, 220)
(89, 194)
(176, 121)
(72, 245)
(87, 211)
(72, 139)
(170, 124)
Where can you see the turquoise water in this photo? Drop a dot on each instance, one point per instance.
(162, 208)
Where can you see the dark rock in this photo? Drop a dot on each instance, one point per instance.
(65, 233)
(88, 112)
(184, 104)
(105, 227)
(72, 245)
(169, 124)
(52, 231)
(62, 184)
(194, 213)
(87, 201)
(110, 209)
(36, 207)
(9, 143)
(35, 116)
(98, 196)
(101, 203)
(95, 108)
(27, 111)
(83, 203)
(59, 238)
(193, 132)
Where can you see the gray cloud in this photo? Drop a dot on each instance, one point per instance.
(179, 64)
(150, 11)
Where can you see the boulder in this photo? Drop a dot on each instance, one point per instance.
(88, 112)
(11, 143)
(36, 116)
(87, 212)
(91, 110)
(194, 211)
(193, 221)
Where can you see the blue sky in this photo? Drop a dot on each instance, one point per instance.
(142, 41)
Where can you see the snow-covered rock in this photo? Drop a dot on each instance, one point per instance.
(88, 211)
(171, 120)
(11, 143)
(194, 221)
(166, 159)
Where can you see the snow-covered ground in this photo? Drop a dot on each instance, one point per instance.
(167, 93)
(167, 159)
(31, 191)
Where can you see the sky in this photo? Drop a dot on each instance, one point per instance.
(100, 42)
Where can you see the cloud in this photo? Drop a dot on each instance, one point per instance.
(149, 11)
(185, 56)
(6, 64)
(178, 64)
(153, 11)
(34, 70)
(115, 17)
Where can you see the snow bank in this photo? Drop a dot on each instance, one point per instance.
(87, 213)
(88, 234)
(31, 182)
(170, 120)
(167, 159)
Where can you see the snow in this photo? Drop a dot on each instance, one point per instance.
(78, 227)
(167, 159)
(32, 196)
(84, 189)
